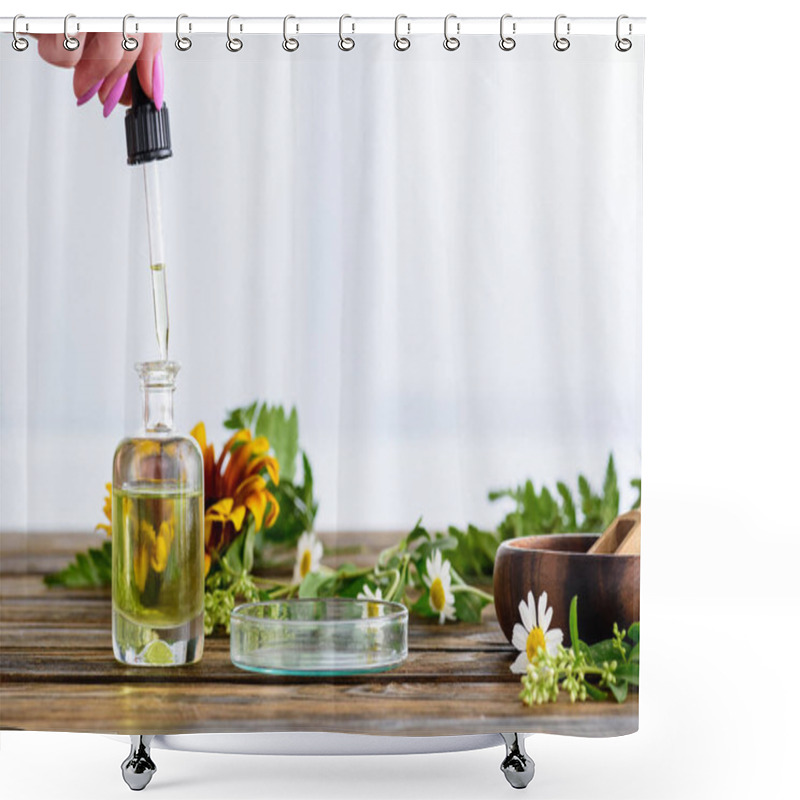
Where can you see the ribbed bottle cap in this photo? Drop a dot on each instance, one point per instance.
(146, 127)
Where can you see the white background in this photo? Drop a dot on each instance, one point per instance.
(720, 600)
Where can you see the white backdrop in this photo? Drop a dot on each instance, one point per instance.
(435, 255)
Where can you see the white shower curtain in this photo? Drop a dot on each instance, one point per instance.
(434, 255)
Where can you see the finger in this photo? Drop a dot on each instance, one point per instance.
(100, 55)
(150, 68)
(52, 50)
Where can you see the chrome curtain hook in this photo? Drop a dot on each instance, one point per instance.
(70, 42)
(128, 42)
(290, 44)
(401, 43)
(623, 44)
(451, 42)
(233, 44)
(346, 42)
(506, 42)
(561, 43)
(183, 43)
(19, 43)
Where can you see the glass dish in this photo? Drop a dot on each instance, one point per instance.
(326, 636)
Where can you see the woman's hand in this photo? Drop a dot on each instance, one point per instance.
(101, 66)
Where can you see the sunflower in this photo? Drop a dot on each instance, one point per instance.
(234, 485)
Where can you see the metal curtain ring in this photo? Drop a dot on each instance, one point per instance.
(401, 43)
(507, 42)
(345, 42)
(19, 43)
(451, 42)
(183, 43)
(128, 42)
(623, 44)
(561, 43)
(290, 44)
(70, 42)
(233, 44)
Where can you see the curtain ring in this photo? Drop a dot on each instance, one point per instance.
(234, 45)
(623, 44)
(70, 42)
(561, 43)
(183, 43)
(19, 43)
(507, 42)
(401, 43)
(346, 43)
(290, 44)
(128, 42)
(451, 42)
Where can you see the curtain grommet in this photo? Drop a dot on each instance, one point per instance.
(401, 43)
(346, 43)
(182, 43)
(71, 43)
(623, 44)
(507, 43)
(233, 44)
(129, 43)
(19, 43)
(289, 44)
(451, 43)
(561, 43)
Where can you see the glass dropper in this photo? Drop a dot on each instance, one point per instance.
(148, 138)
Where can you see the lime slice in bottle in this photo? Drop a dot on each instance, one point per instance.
(158, 652)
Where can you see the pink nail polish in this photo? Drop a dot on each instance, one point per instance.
(114, 95)
(158, 80)
(87, 96)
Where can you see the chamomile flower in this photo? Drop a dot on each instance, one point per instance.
(309, 555)
(534, 633)
(437, 578)
(373, 609)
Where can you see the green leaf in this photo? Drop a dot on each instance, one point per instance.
(636, 483)
(594, 692)
(423, 607)
(607, 651)
(573, 622)
(628, 672)
(241, 418)
(469, 607)
(619, 690)
(634, 654)
(88, 570)
(282, 431)
(313, 583)
(568, 512)
(633, 632)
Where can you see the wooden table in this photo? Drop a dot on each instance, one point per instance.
(57, 673)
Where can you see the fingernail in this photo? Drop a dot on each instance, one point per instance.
(158, 80)
(114, 95)
(87, 96)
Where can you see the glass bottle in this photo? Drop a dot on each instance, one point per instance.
(157, 525)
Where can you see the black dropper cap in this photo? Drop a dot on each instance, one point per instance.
(146, 127)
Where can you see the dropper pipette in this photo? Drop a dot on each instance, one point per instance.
(148, 138)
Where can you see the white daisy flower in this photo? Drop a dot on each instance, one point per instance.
(309, 555)
(437, 579)
(533, 633)
(373, 609)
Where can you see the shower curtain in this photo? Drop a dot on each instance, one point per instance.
(434, 256)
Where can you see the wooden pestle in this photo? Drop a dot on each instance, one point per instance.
(622, 537)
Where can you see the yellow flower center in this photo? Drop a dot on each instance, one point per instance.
(535, 641)
(305, 563)
(437, 595)
(373, 610)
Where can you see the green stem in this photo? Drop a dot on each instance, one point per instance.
(472, 590)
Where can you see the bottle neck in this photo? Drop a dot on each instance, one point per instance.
(158, 408)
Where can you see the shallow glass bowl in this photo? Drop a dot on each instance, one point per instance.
(325, 636)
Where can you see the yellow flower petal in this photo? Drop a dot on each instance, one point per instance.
(141, 563)
(160, 554)
(274, 510)
(101, 527)
(237, 517)
(199, 434)
(257, 503)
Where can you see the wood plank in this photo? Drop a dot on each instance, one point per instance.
(79, 666)
(401, 708)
